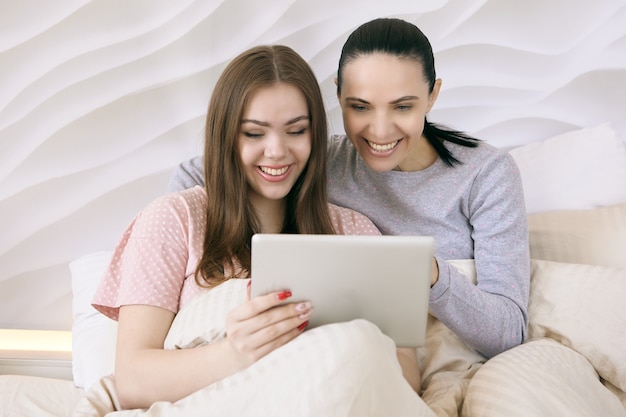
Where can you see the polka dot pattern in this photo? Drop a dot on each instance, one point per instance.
(156, 257)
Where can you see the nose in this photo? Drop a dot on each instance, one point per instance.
(381, 125)
(276, 147)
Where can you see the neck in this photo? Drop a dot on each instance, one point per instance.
(271, 214)
(421, 156)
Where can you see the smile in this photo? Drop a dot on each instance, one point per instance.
(275, 172)
(382, 148)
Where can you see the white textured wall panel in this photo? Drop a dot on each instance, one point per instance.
(99, 100)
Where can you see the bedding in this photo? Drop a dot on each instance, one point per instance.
(593, 236)
(573, 362)
(521, 382)
(294, 376)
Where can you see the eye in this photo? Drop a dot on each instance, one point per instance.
(404, 107)
(358, 107)
(253, 135)
(298, 132)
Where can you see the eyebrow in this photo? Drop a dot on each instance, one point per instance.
(265, 124)
(396, 101)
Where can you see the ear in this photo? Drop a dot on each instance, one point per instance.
(432, 98)
(336, 84)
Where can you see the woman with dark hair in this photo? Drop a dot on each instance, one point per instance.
(412, 177)
(264, 173)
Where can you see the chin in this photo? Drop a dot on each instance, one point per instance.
(380, 164)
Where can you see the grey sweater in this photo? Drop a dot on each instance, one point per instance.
(474, 210)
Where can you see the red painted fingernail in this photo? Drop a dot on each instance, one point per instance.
(303, 325)
(249, 283)
(283, 295)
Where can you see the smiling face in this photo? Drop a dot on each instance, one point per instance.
(384, 101)
(274, 141)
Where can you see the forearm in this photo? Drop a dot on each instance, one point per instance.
(490, 321)
(410, 367)
(149, 375)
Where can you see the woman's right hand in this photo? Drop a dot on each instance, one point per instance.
(260, 325)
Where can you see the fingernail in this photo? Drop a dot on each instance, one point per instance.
(303, 325)
(305, 315)
(283, 295)
(249, 283)
(303, 306)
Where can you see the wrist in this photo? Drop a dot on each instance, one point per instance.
(434, 275)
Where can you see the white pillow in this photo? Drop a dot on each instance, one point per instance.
(93, 334)
(577, 170)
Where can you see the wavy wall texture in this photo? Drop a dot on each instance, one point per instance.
(100, 99)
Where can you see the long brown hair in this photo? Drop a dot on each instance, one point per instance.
(230, 218)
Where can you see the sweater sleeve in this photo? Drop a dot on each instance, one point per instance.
(491, 316)
(187, 174)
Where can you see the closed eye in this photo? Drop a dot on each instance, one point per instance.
(298, 132)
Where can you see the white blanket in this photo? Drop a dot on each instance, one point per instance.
(343, 369)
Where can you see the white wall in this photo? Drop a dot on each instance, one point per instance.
(99, 100)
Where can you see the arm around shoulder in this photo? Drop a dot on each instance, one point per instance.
(187, 174)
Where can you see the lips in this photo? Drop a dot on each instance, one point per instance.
(382, 148)
(274, 172)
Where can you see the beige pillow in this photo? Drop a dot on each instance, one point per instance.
(582, 307)
(539, 378)
(596, 236)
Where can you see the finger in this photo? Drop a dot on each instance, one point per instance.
(272, 337)
(261, 329)
(259, 304)
(248, 290)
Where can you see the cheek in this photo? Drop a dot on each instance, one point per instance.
(304, 150)
(248, 154)
(350, 122)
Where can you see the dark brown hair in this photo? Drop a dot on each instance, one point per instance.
(230, 217)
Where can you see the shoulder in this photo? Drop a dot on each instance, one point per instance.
(349, 222)
(342, 155)
(339, 145)
(484, 159)
(187, 174)
(174, 209)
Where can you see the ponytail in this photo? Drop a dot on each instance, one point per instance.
(437, 135)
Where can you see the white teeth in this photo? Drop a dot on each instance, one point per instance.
(274, 172)
(382, 148)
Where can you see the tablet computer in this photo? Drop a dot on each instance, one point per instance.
(383, 279)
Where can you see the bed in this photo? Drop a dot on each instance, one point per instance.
(573, 362)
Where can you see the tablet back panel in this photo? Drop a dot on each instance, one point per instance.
(383, 279)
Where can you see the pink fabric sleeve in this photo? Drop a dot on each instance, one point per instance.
(350, 222)
(156, 256)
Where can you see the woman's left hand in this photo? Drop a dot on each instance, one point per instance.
(262, 324)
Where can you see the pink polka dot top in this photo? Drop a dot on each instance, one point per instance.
(155, 260)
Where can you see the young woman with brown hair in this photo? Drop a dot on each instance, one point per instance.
(265, 172)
